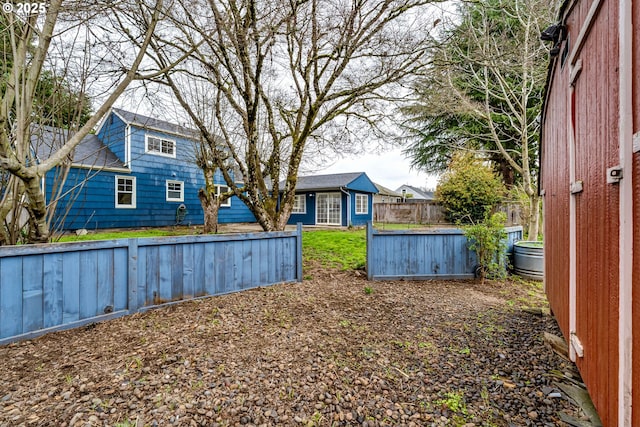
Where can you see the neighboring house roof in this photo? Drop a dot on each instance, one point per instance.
(330, 182)
(155, 124)
(384, 191)
(90, 153)
(416, 192)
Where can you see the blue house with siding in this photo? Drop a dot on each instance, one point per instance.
(337, 199)
(135, 171)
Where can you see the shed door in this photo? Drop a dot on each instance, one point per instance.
(596, 216)
(328, 209)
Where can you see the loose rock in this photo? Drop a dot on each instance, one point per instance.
(311, 353)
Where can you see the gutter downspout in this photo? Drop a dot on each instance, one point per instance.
(348, 206)
(625, 254)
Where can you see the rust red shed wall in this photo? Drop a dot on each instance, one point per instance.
(555, 175)
(597, 213)
(590, 113)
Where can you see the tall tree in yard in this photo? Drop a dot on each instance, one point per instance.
(484, 92)
(59, 49)
(276, 76)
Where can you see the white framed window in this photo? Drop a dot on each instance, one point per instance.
(362, 204)
(126, 192)
(299, 204)
(160, 146)
(223, 189)
(175, 191)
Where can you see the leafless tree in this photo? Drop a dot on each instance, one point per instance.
(85, 43)
(275, 76)
(486, 82)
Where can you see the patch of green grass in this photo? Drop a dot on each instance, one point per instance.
(125, 234)
(454, 401)
(344, 249)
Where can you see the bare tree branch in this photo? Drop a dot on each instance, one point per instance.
(284, 72)
(17, 117)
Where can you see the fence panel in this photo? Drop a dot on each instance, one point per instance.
(59, 286)
(430, 212)
(422, 255)
(416, 212)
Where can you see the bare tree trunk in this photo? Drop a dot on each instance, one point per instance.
(209, 198)
(534, 216)
(39, 232)
(211, 207)
(9, 208)
(17, 116)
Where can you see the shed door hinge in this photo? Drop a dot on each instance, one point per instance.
(576, 187)
(614, 174)
(576, 345)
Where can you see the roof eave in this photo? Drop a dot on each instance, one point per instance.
(101, 168)
(153, 128)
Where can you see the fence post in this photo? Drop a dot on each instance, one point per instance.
(132, 275)
(369, 250)
(299, 251)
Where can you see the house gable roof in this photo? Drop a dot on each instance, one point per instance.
(354, 181)
(90, 153)
(150, 123)
(384, 191)
(417, 193)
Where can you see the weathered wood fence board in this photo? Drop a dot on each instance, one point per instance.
(422, 212)
(419, 254)
(58, 286)
(430, 212)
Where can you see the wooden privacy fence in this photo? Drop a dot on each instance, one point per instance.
(420, 254)
(430, 212)
(59, 286)
(416, 212)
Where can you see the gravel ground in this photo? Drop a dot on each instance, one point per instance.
(333, 350)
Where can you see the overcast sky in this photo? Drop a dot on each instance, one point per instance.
(389, 169)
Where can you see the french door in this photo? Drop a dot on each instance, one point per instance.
(328, 208)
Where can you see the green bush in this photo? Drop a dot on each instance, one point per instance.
(489, 240)
(468, 189)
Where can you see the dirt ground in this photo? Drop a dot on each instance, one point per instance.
(332, 350)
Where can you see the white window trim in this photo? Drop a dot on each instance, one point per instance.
(366, 204)
(226, 203)
(302, 197)
(170, 199)
(127, 148)
(133, 192)
(159, 153)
